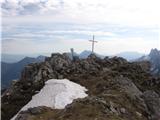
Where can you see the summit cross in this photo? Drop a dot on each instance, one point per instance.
(93, 41)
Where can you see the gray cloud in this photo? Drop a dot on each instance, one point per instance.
(133, 13)
(17, 7)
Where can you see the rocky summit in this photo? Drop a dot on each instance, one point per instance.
(117, 90)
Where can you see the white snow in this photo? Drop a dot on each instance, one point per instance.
(56, 94)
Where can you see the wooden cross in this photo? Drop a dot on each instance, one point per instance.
(93, 41)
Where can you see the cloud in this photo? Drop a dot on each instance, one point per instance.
(127, 12)
(60, 37)
(119, 25)
(126, 44)
(61, 44)
(82, 32)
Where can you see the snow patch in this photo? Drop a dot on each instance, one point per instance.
(56, 94)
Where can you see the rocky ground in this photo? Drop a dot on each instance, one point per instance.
(117, 89)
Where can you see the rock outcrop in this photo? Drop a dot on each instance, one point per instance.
(117, 90)
(154, 59)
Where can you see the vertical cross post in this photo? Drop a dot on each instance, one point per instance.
(93, 41)
(72, 53)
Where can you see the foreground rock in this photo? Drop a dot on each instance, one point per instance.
(152, 100)
(116, 89)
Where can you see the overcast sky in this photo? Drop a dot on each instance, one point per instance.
(41, 26)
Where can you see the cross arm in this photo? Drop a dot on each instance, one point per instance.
(93, 41)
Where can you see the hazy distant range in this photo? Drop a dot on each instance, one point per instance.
(12, 58)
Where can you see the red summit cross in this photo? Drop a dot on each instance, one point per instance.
(93, 41)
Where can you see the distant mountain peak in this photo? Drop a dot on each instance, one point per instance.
(87, 53)
(130, 55)
(154, 59)
(41, 57)
(154, 52)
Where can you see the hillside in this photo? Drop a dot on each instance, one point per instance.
(12, 71)
(117, 90)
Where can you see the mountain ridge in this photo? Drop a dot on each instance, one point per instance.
(110, 83)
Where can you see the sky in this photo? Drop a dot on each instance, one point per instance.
(46, 26)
